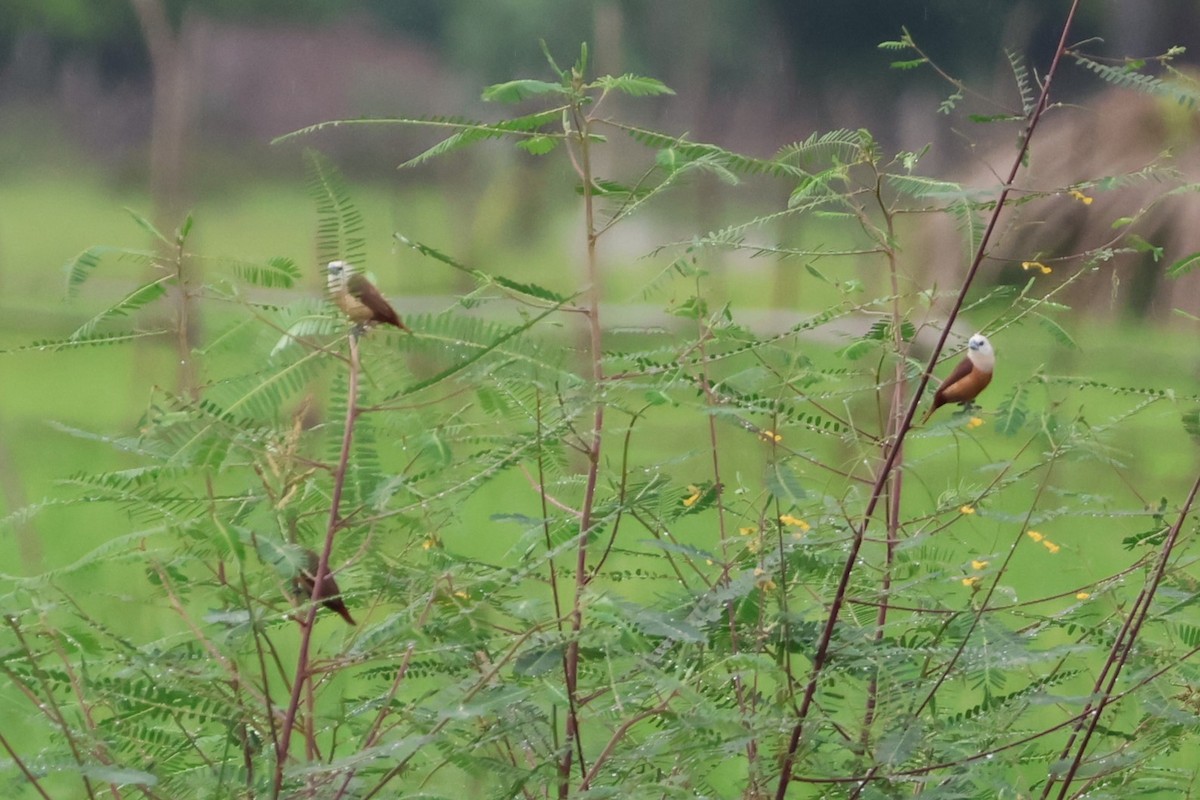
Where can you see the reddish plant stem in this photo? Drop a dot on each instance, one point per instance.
(1118, 655)
(821, 656)
(573, 747)
(306, 628)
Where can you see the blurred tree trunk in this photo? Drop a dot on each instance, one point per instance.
(29, 543)
(170, 119)
(172, 103)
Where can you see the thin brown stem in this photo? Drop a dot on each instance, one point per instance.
(821, 655)
(334, 524)
(1118, 655)
(573, 746)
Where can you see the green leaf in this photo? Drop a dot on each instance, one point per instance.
(340, 226)
(634, 85)
(692, 308)
(1011, 414)
(783, 485)
(120, 776)
(80, 268)
(1058, 332)
(1142, 246)
(276, 273)
(518, 90)
(910, 64)
(538, 660)
(857, 350)
(148, 227)
(120, 337)
(898, 745)
(917, 186)
(143, 295)
(986, 118)
(660, 624)
(1184, 265)
(1191, 423)
(528, 289)
(538, 145)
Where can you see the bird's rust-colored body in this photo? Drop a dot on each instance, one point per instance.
(329, 594)
(359, 298)
(969, 378)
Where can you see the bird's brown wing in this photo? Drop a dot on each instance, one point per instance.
(946, 392)
(370, 297)
(951, 391)
(331, 598)
(329, 595)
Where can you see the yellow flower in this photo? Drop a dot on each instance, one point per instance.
(1082, 595)
(978, 564)
(770, 436)
(1037, 537)
(968, 509)
(1081, 197)
(461, 594)
(747, 530)
(1028, 265)
(696, 492)
(428, 543)
(1051, 546)
(974, 422)
(970, 580)
(788, 519)
(762, 580)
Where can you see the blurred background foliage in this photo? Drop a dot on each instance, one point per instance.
(97, 117)
(164, 107)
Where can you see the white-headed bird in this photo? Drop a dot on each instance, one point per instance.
(359, 298)
(969, 378)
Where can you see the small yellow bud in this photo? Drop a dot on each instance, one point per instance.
(970, 580)
(1028, 265)
(747, 530)
(1082, 595)
(967, 509)
(978, 564)
(1081, 197)
(1037, 537)
(788, 519)
(1051, 546)
(974, 422)
(770, 437)
(762, 580)
(696, 492)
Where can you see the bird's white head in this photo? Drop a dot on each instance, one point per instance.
(980, 351)
(337, 274)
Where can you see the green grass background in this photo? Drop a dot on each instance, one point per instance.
(51, 212)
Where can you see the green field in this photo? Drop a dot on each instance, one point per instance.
(1095, 496)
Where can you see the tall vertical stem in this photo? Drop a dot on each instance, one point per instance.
(573, 746)
(306, 626)
(821, 655)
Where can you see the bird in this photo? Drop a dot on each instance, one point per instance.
(969, 378)
(359, 298)
(329, 594)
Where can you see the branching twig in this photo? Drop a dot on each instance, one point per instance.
(823, 644)
(306, 628)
